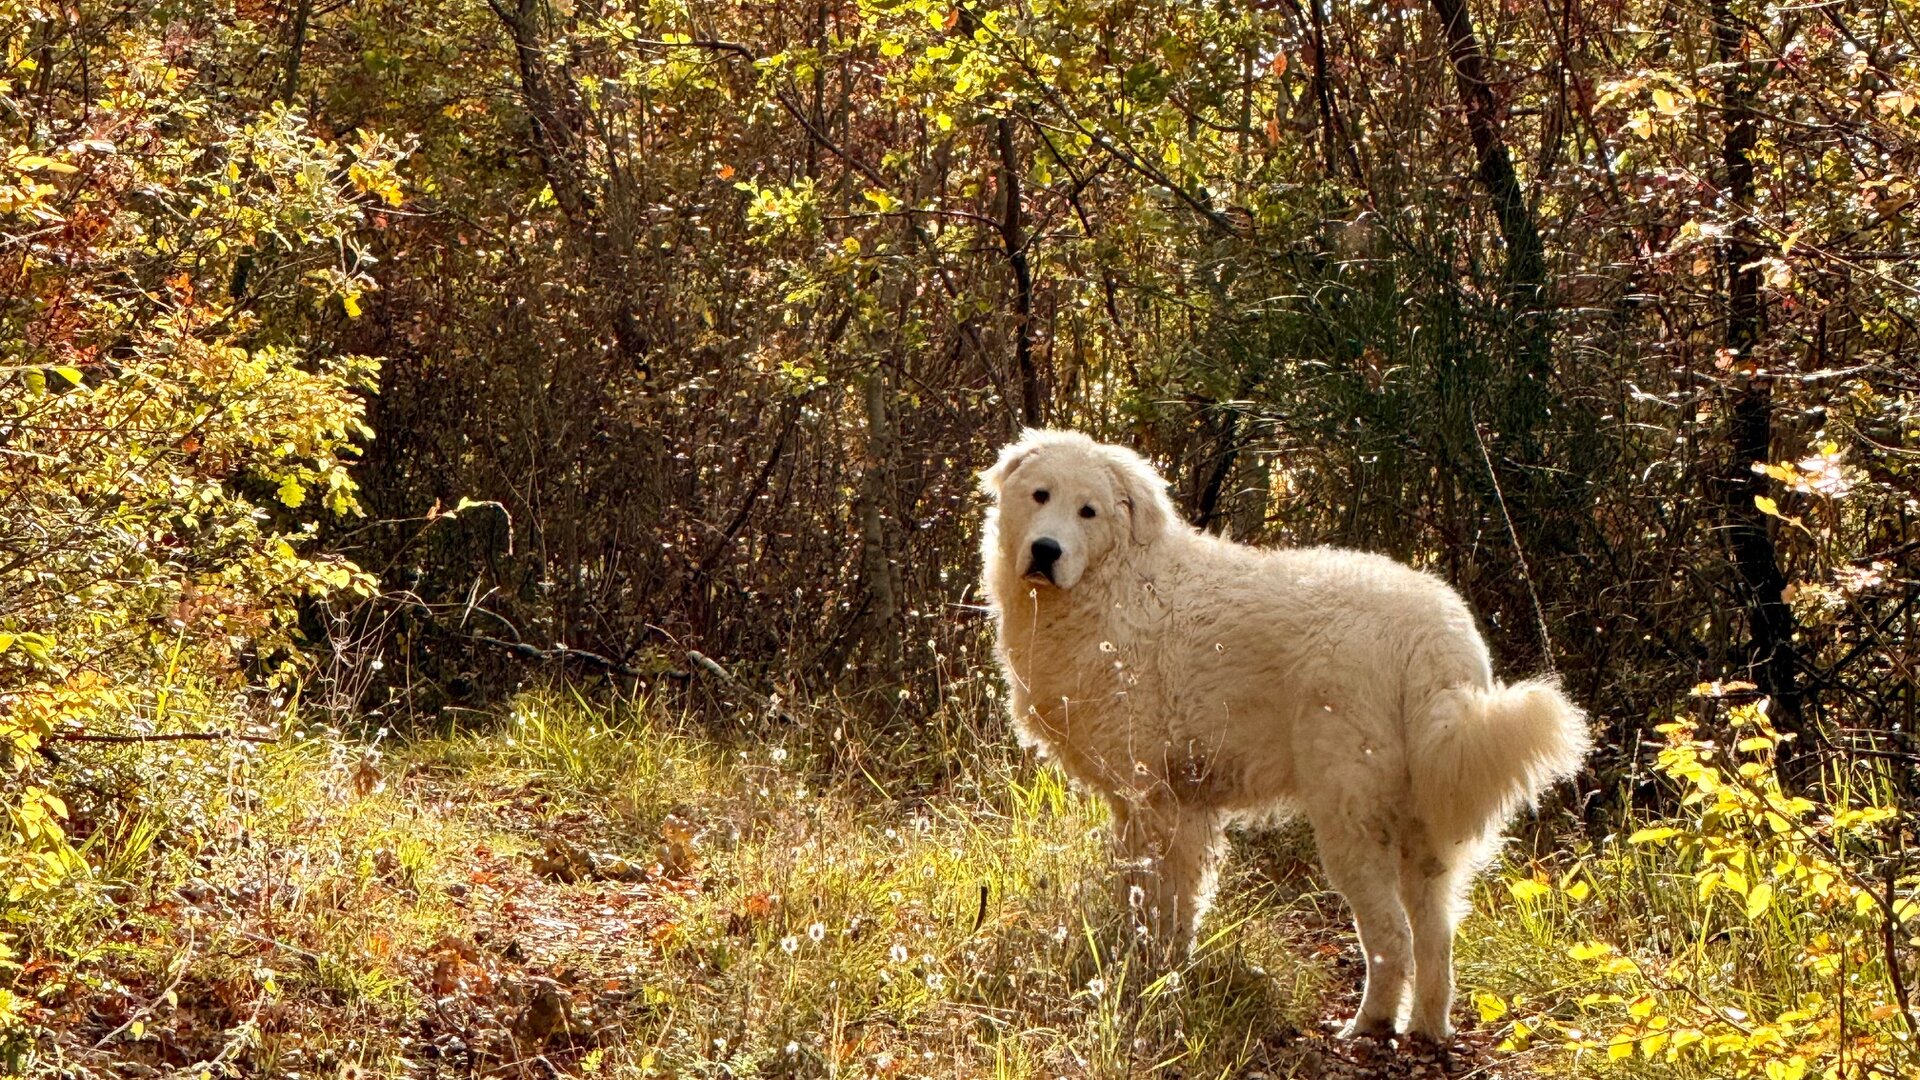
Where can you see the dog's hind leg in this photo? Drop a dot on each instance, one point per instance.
(1367, 872)
(1430, 888)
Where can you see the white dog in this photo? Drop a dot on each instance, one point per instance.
(1196, 682)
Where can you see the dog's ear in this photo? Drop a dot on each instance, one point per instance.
(1150, 512)
(1012, 456)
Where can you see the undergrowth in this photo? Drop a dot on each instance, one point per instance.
(792, 901)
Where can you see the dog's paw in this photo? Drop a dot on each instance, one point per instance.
(1430, 1041)
(1435, 1036)
(1368, 1028)
(1430, 1028)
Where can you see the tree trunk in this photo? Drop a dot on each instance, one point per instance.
(1013, 238)
(295, 48)
(1526, 258)
(877, 565)
(1773, 659)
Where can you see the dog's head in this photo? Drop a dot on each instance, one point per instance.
(1063, 503)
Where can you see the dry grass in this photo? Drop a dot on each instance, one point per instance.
(589, 890)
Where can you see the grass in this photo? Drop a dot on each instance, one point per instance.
(841, 924)
(610, 890)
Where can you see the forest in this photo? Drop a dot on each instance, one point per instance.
(490, 519)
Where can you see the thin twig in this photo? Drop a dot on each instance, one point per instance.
(708, 664)
(179, 736)
(1890, 925)
(1519, 553)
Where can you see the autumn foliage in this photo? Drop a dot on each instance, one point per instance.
(365, 365)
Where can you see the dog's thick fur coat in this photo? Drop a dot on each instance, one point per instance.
(1195, 682)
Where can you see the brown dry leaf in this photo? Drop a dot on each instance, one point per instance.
(609, 867)
(446, 975)
(562, 860)
(457, 967)
(549, 1011)
(678, 856)
(366, 776)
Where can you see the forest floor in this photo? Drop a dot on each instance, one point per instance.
(593, 893)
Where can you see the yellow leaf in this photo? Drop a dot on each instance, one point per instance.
(1793, 1068)
(1709, 880)
(1527, 890)
(1759, 899)
(1492, 1006)
(1641, 1007)
(1618, 965)
(1589, 950)
(1767, 506)
(1653, 835)
(351, 301)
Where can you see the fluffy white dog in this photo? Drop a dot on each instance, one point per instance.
(1195, 682)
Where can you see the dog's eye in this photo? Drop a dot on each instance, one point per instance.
(1041, 496)
(1086, 511)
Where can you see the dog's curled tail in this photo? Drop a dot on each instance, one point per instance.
(1480, 753)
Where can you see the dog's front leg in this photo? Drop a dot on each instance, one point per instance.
(1169, 854)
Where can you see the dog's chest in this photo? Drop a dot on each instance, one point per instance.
(1086, 698)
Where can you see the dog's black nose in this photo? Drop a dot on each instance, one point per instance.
(1046, 552)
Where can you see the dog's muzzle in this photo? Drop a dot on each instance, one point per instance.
(1045, 552)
